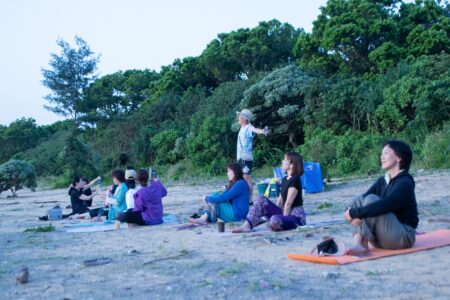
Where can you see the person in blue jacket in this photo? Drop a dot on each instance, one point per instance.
(232, 205)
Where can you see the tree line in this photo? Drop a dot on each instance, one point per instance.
(368, 71)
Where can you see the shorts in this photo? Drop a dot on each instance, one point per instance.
(247, 166)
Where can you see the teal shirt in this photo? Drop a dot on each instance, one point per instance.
(121, 205)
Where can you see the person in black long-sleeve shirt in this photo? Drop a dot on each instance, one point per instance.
(386, 215)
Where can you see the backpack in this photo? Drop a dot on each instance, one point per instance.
(55, 213)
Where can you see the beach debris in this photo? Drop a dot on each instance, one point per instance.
(182, 253)
(23, 276)
(439, 220)
(133, 251)
(269, 241)
(96, 261)
(330, 275)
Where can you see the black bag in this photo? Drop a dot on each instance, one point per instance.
(329, 247)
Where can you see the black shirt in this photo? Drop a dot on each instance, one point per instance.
(86, 192)
(78, 207)
(397, 197)
(296, 183)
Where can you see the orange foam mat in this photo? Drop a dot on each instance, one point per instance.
(430, 240)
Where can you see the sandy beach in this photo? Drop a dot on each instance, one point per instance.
(159, 262)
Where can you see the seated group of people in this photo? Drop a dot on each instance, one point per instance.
(133, 198)
(385, 216)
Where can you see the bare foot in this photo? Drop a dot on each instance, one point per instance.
(199, 221)
(242, 229)
(357, 250)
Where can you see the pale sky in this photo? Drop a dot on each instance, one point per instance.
(132, 34)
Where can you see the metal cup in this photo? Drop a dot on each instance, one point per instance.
(221, 226)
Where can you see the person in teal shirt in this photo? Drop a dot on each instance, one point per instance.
(116, 202)
(229, 206)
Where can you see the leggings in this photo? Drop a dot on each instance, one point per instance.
(263, 207)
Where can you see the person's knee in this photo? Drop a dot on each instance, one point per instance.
(276, 223)
(369, 199)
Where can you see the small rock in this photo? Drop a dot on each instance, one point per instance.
(330, 275)
(308, 235)
(23, 276)
(134, 251)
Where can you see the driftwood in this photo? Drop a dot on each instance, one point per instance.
(9, 203)
(44, 202)
(182, 253)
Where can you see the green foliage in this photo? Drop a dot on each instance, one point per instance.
(70, 73)
(278, 99)
(164, 147)
(420, 98)
(19, 136)
(207, 149)
(44, 157)
(48, 228)
(369, 70)
(367, 36)
(436, 149)
(15, 175)
(352, 152)
(75, 158)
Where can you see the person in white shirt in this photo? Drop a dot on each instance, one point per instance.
(245, 145)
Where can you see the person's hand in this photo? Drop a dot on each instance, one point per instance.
(266, 130)
(347, 215)
(356, 222)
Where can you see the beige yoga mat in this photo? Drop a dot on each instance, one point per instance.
(430, 240)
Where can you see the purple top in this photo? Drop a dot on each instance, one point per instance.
(147, 201)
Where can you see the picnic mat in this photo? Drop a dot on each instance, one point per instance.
(108, 225)
(430, 240)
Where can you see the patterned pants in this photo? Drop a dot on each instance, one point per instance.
(263, 207)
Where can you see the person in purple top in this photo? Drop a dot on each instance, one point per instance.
(148, 208)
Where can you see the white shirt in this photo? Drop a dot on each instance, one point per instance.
(129, 196)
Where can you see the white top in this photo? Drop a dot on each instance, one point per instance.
(245, 143)
(129, 196)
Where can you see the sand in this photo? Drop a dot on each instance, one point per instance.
(160, 262)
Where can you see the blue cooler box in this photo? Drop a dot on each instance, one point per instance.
(312, 180)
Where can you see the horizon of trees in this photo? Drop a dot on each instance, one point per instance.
(369, 70)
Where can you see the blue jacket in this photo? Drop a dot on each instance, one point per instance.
(121, 205)
(238, 196)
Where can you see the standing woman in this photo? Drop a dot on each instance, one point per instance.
(386, 215)
(232, 205)
(288, 213)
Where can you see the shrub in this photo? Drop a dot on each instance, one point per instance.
(15, 175)
(436, 149)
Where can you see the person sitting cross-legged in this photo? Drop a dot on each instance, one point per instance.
(232, 205)
(386, 215)
(288, 213)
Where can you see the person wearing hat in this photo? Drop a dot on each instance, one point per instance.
(130, 177)
(245, 145)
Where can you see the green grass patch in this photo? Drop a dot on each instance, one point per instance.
(48, 228)
(324, 205)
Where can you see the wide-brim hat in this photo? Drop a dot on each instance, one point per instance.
(246, 114)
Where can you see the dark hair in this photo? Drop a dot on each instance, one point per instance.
(119, 175)
(403, 151)
(131, 183)
(142, 177)
(238, 174)
(297, 161)
(75, 180)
